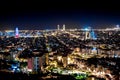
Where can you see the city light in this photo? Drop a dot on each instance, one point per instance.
(59, 58)
(65, 52)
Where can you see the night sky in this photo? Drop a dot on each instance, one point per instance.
(46, 14)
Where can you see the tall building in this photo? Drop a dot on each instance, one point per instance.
(36, 63)
(30, 64)
(16, 32)
(58, 27)
(63, 26)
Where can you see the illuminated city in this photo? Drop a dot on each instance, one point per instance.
(62, 51)
(59, 40)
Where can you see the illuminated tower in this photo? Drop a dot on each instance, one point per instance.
(58, 27)
(16, 33)
(63, 26)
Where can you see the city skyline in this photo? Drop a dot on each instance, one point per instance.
(74, 14)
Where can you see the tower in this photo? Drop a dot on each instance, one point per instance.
(16, 32)
(63, 26)
(58, 27)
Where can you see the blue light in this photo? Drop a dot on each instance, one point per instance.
(86, 29)
(94, 48)
(18, 69)
(20, 49)
(93, 35)
(17, 32)
(115, 55)
(13, 69)
(14, 66)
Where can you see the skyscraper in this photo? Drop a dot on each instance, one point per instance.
(58, 27)
(63, 26)
(30, 64)
(16, 32)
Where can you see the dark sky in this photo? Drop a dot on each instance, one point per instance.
(46, 14)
